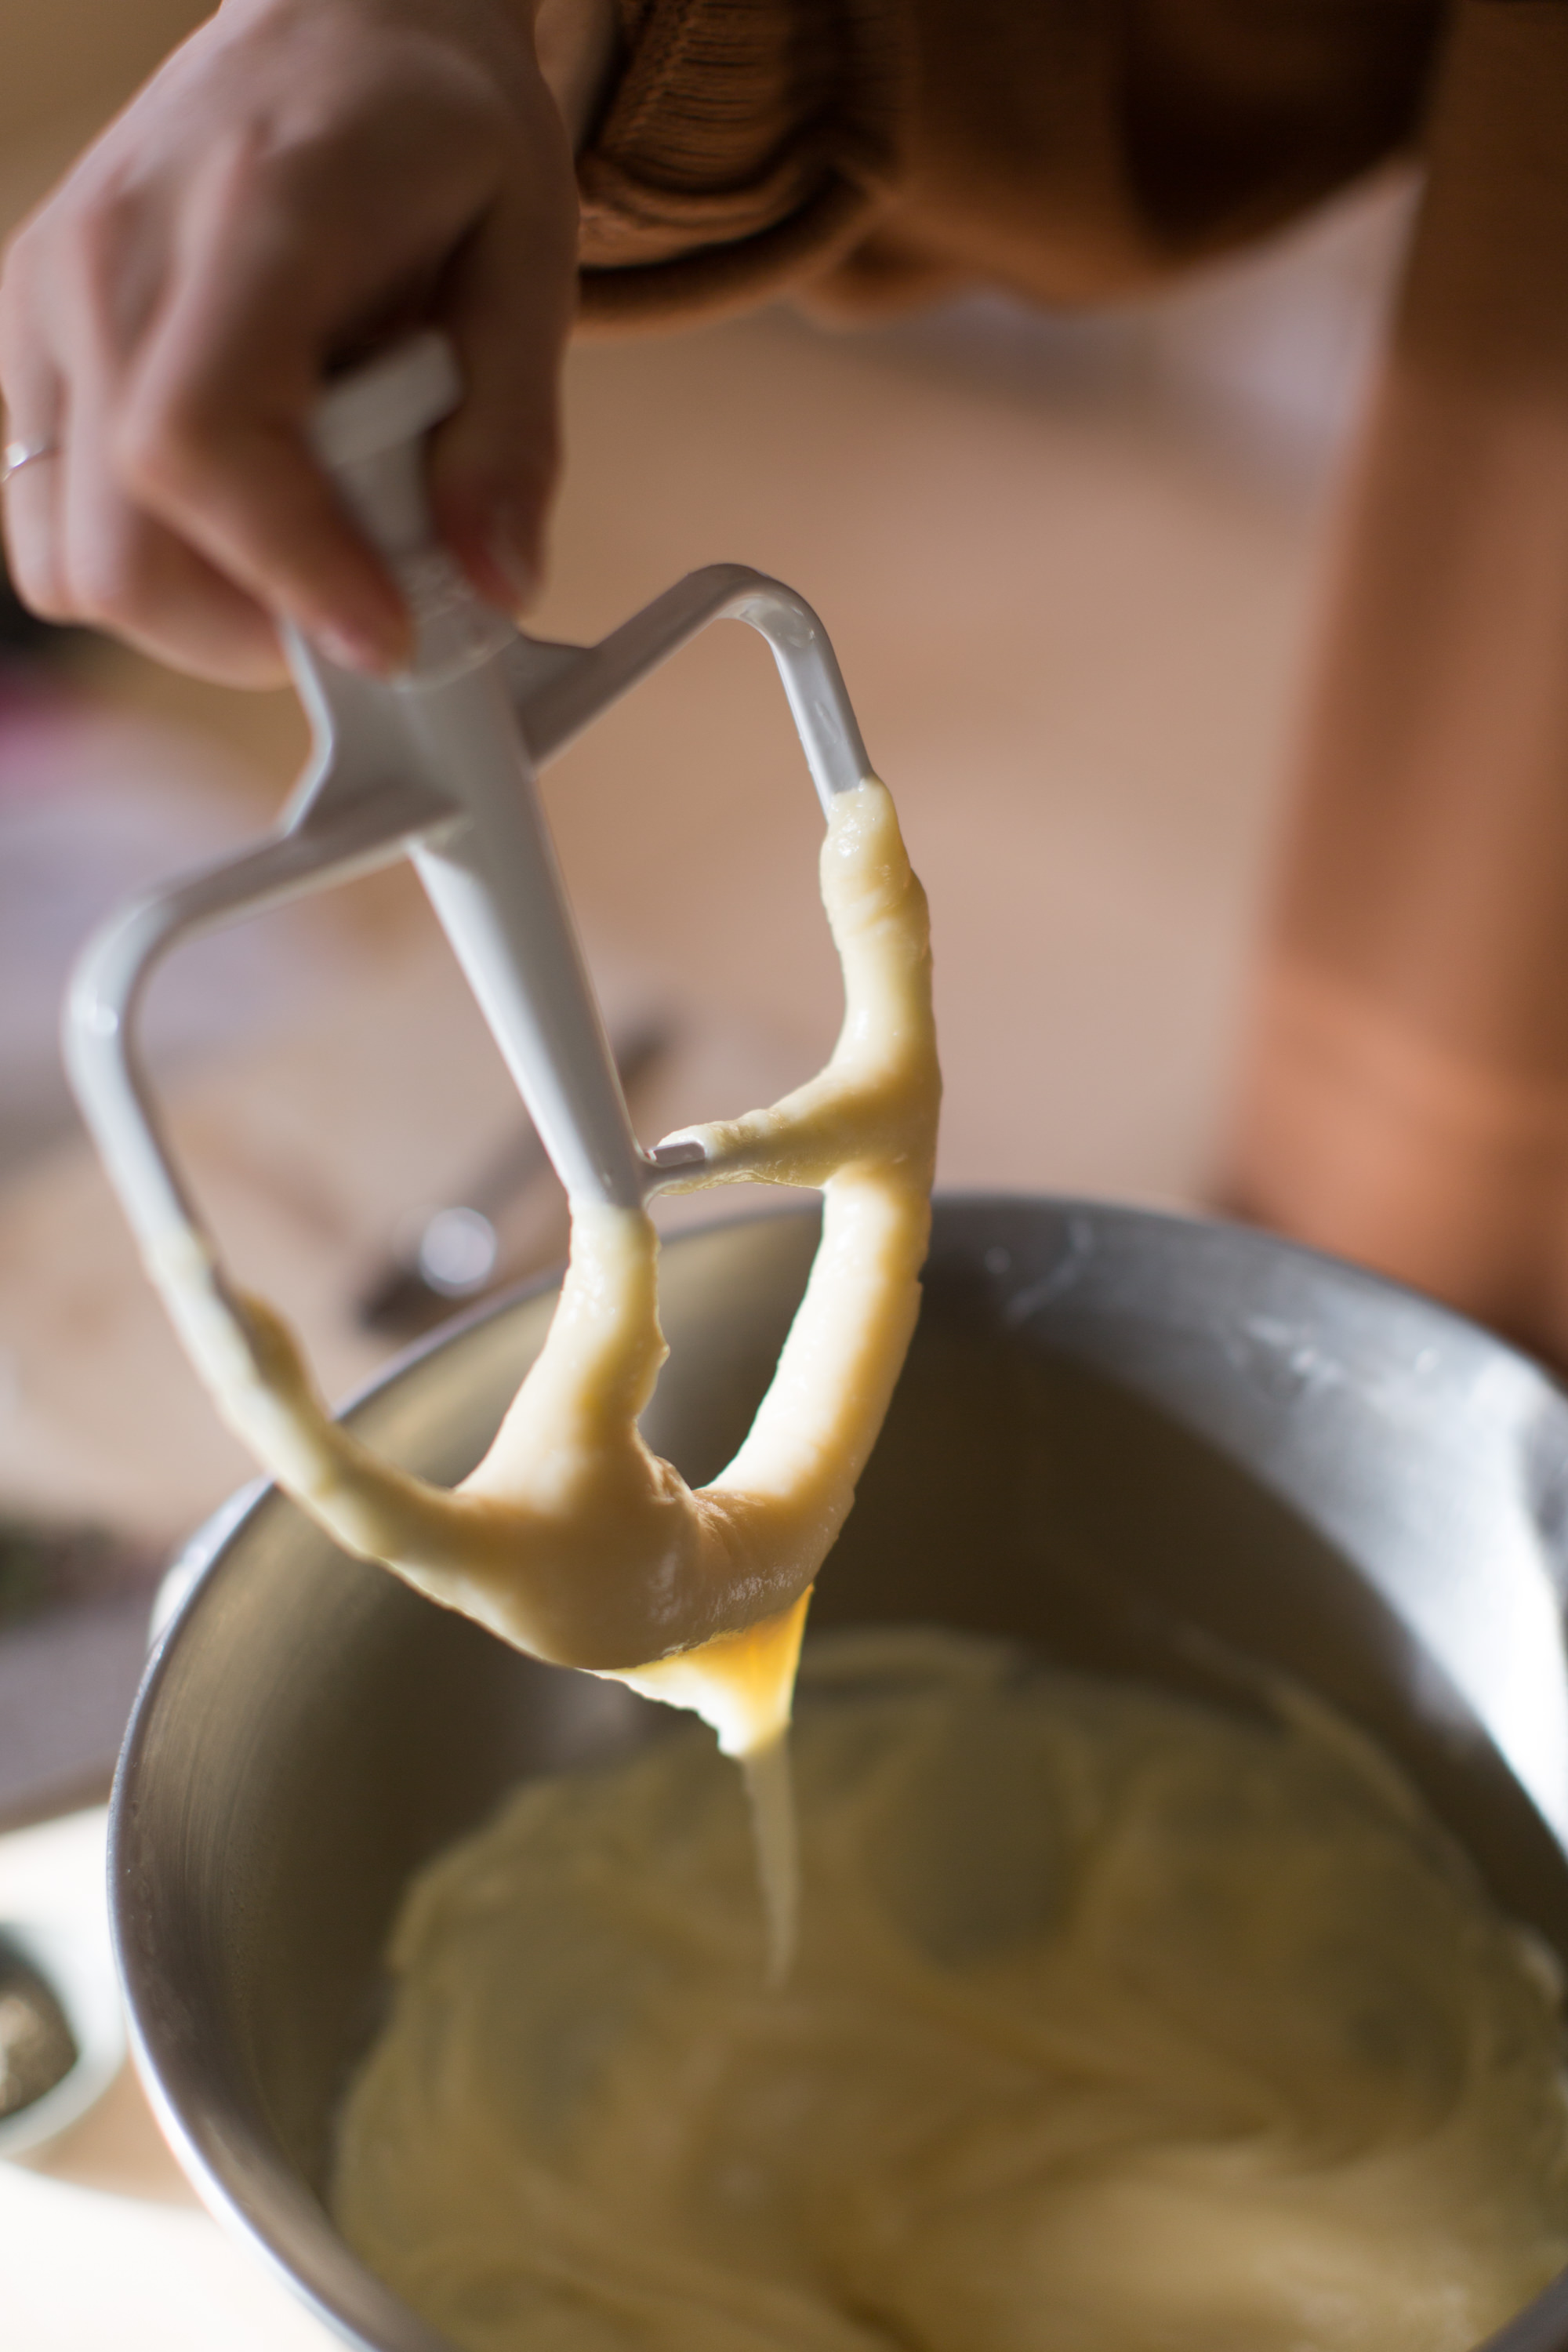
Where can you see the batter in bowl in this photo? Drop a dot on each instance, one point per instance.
(1118, 2024)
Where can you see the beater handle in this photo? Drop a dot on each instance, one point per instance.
(438, 766)
(493, 880)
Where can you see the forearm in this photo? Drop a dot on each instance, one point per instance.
(1407, 1094)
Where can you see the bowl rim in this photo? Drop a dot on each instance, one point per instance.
(1540, 2327)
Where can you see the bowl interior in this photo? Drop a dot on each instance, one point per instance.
(1141, 1444)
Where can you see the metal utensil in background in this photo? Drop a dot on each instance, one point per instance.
(455, 1253)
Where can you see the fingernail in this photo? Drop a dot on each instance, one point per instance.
(350, 649)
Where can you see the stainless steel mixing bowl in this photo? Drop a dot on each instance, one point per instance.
(1139, 1443)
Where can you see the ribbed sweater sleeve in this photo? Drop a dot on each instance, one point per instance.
(746, 143)
(865, 151)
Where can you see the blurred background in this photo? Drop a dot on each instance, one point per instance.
(1070, 567)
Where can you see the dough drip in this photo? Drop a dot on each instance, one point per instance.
(571, 1539)
(1118, 2025)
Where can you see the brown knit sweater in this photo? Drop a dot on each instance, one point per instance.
(870, 152)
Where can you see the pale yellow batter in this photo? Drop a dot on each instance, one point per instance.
(571, 1539)
(1118, 2025)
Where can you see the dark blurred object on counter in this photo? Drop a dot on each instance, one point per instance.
(38, 2048)
(75, 1603)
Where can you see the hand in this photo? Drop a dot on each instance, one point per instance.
(301, 180)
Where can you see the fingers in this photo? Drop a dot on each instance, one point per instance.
(213, 435)
(150, 588)
(145, 522)
(32, 538)
(79, 548)
(173, 317)
(77, 552)
(34, 399)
